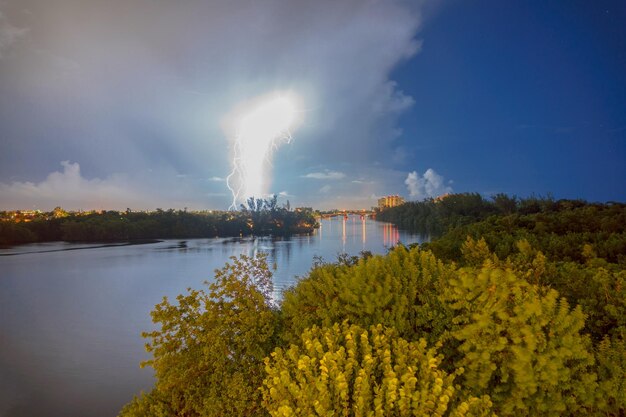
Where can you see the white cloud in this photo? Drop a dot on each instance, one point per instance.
(325, 189)
(326, 175)
(430, 184)
(69, 189)
(216, 179)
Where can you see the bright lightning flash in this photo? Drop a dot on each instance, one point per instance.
(260, 130)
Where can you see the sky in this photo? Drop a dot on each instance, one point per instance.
(116, 104)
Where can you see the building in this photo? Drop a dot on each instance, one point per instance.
(441, 197)
(389, 201)
(304, 210)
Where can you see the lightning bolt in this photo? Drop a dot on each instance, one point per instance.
(259, 133)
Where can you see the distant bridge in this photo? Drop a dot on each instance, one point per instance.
(345, 213)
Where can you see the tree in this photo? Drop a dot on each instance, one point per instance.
(520, 344)
(11, 233)
(58, 212)
(504, 203)
(611, 363)
(348, 371)
(152, 404)
(399, 290)
(208, 353)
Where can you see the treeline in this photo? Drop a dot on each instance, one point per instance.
(436, 216)
(559, 228)
(490, 319)
(259, 217)
(560, 234)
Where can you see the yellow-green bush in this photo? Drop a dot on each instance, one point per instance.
(398, 290)
(346, 370)
(208, 353)
(520, 344)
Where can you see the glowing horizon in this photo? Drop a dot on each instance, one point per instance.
(260, 129)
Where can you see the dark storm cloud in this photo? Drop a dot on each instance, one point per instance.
(137, 90)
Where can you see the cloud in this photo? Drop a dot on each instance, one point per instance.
(71, 190)
(67, 188)
(325, 175)
(216, 179)
(428, 185)
(325, 189)
(126, 96)
(363, 181)
(9, 34)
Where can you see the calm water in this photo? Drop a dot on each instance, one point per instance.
(70, 320)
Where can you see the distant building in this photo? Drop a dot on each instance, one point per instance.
(389, 201)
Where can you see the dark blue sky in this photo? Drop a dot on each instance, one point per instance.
(521, 97)
(132, 104)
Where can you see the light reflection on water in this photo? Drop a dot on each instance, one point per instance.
(70, 320)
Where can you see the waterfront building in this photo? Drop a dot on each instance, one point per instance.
(389, 201)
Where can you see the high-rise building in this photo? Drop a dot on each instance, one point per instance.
(390, 201)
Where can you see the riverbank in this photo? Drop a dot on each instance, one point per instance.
(129, 226)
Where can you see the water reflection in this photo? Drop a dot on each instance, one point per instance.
(391, 235)
(343, 236)
(363, 232)
(70, 319)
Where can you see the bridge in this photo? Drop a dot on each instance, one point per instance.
(345, 213)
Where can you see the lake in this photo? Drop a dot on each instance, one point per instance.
(71, 315)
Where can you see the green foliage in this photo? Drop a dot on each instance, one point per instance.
(476, 252)
(611, 365)
(561, 234)
(505, 204)
(520, 344)
(349, 371)
(399, 290)
(208, 353)
(11, 233)
(152, 404)
(263, 217)
(436, 216)
(597, 287)
(603, 297)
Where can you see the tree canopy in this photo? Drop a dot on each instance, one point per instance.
(260, 217)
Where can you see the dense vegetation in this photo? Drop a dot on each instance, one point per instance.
(436, 217)
(433, 217)
(258, 217)
(510, 313)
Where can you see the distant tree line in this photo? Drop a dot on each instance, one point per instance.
(258, 217)
(559, 228)
(519, 313)
(437, 216)
(560, 233)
